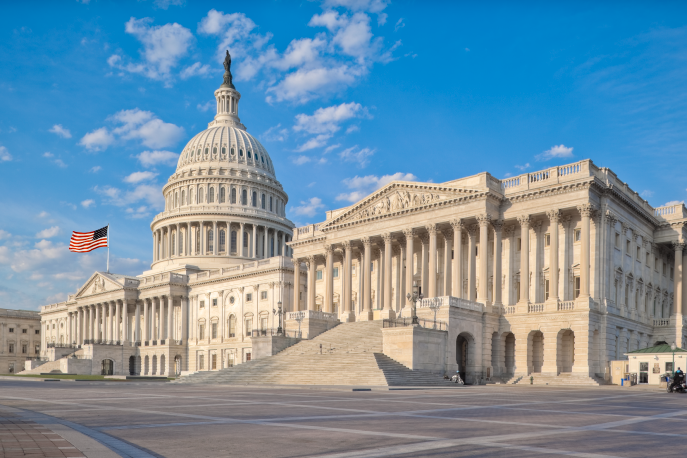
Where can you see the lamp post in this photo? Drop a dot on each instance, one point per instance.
(416, 296)
(673, 347)
(279, 312)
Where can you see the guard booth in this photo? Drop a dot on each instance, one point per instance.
(649, 364)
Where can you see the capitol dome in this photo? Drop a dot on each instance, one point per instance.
(223, 204)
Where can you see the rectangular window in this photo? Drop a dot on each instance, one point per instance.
(546, 290)
(249, 326)
(202, 304)
(201, 332)
(335, 272)
(214, 302)
(319, 275)
(248, 356)
(617, 240)
(214, 330)
(638, 254)
(11, 329)
(578, 235)
(263, 323)
(577, 287)
(37, 349)
(11, 348)
(24, 349)
(671, 273)
(263, 295)
(547, 239)
(24, 331)
(627, 247)
(669, 366)
(664, 269)
(372, 267)
(656, 264)
(214, 361)
(648, 259)
(249, 297)
(201, 362)
(230, 360)
(352, 270)
(38, 331)
(519, 244)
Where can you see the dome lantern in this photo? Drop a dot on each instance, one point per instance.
(227, 98)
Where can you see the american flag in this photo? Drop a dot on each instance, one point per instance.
(83, 242)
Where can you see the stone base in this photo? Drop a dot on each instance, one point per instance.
(387, 314)
(416, 348)
(271, 345)
(312, 323)
(366, 316)
(347, 317)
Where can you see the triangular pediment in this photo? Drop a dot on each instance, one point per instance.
(99, 282)
(398, 196)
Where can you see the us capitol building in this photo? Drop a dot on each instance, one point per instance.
(554, 272)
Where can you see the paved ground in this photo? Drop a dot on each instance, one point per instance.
(169, 420)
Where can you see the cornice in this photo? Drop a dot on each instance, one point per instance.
(208, 213)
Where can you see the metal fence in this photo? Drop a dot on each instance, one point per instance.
(274, 332)
(428, 324)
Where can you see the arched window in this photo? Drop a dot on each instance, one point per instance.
(199, 152)
(262, 203)
(249, 155)
(222, 195)
(270, 203)
(263, 159)
(271, 246)
(211, 195)
(200, 196)
(183, 197)
(233, 195)
(222, 240)
(224, 151)
(255, 199)
(214, 150)
(244, 197)
(232, 151)
(197, 241)
(233, 242)
(176, 199)
(210, 246)
(174, 244)
(241, 152)
(232, 326)
(245, 240)
(190, 196)
(207, 150)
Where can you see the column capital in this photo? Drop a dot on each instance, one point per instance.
(409, 233)
(386, 237)
(295, 261)
(328, 249)
(424, 238)
(346, 244)
(678, 246)
(431, 228)
(483, 220)
(524, 220)
(457, 224)
(366, 241)
(497, 225)
(402, 239)
(472, 230)
(554, 215)
(448, 234)
(586, 210)
(310, 261)
(508, 230)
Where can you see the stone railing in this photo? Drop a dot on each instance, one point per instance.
(551, 176)
(508, 309)
(311, 315)
(661, 322)
(535, 308)
(670, 212)
(306, 232)
(565, 306)
(451, 301)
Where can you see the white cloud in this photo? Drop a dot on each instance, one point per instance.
(276, 134)
(97, 140)
(137, 213)
(306, 84)
(88, 203)
(150, 193)
(51, 156)
(164, 4)
(352, 129)
(647, 193)
(399, 24)
(309, 207)
(331, 148)
(300, 160)
(61, 131)
(95, 169)
(363, 186)
(153, 158)
(556, 151)
(5, 155)
(163, 47)
(373, 6)
(315, 142)
(43, 214)
(355, 154)
(48, 233)
(522, 168)
(673, 202)
(137, 177)
(4, 234)
(206, 106)
(48, 154)
(196, 69)
(328, 120)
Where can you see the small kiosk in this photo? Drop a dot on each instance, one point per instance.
(649, 364)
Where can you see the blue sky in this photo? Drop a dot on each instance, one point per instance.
(97, 99)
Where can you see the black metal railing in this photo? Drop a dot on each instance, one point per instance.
(428, 324)
(61, 345)
(37, 358)
(275, 332)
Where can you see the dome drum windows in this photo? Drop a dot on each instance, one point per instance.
(250, 155)
(211, 195)
(214, 151)
(200, 195)
(240, 153)
(222, 195)
(255, 199)
(233, 242)
(224, 151)
(207, 150)
(262, 203)
(233, 196)
(222, 241)
(244, 197)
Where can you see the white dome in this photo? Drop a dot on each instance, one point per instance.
(225, 146)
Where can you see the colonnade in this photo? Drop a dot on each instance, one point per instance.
(114, 322)
(399, 247)
(202, 238)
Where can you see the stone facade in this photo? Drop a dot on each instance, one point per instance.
(20, 338)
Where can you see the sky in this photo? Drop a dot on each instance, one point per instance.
(97, 99)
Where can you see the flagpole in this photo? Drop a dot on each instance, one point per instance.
(108, 248)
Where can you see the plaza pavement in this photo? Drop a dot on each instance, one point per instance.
(143, 419)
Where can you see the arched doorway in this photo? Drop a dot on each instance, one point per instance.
(566, 350)
(132, 365)
(496, 354)
(465, 356)
(510, 353)
(146, 365)
(107, 367)
(177, 365)
(154, 368)
(162, 364)
(535, 351)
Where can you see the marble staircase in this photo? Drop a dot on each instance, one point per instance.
(348, 354)
(562, 379)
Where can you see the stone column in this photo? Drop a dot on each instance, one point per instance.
(431, 262)
(283, 243)
(401, 274)
(410, 242)
(145, 334)
(125, 321)
(118, 315)
(215, 244)
(524, 221)
(472, 258)
(265, 248)
(170, 318)
(684, 280)
(296, 284)
(329, 279)
(347, 285)
(253, 246)
(448, 235)
(97, 322)
(677, 279)
(310, 263)
(554, 217)
(161, 313)
(586, 211)
(184, 320)
(424, 264)
(137, 321)
(483, 293)
(169, 242)
(154, 246)
(367, 315)
(498, 258)
(240, 240)
(457, 268)
(112, 321)
(387, 311)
